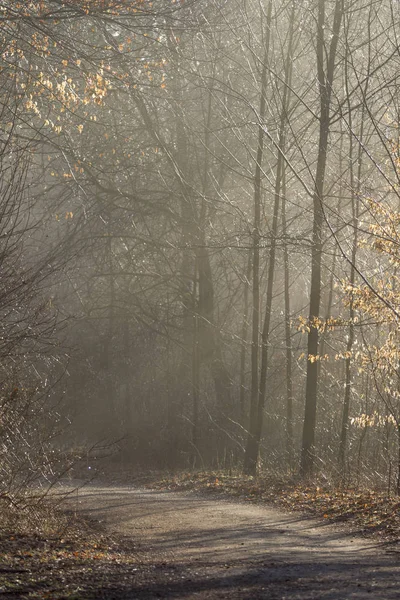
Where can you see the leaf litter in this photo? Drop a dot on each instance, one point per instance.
(68, 558)
(367, 511)
(65, 560)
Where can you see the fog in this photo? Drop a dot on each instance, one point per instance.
(199, 209)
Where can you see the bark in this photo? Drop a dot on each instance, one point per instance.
(243, 345)
(350, 339)
(288, 337)
(195, 378)
(256, 426)
(111, 416)
(280, 170)
(193, 223)
(206, 338)
(252, 446)
(325, 80)
(355, 183)
(398, 460)
(210, 342)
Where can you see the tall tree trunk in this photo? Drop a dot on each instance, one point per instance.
(188, 269)
(193, 219)
(256, 434)
(243, 345)
(355, 183)
(210, 342)
(252, 447)
(288, 337)
(110, 426)
(280, 172)
(195, 376)
(325, 80)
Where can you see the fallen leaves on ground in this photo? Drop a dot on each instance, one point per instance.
(69, 564)
(69, 559)
(366, 510)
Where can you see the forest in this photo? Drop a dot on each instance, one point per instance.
(200, 237)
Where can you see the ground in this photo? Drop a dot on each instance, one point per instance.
(144, 543)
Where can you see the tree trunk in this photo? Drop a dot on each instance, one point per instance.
(259, 415)
(252, 446)
(325, 80)
(288, 337)
(355, 183)
(243, 346)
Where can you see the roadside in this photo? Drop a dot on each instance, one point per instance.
(48, 553)
(201, 535)
(365, 511)
(196, 547)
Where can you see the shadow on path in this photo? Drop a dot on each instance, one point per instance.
(201, 548)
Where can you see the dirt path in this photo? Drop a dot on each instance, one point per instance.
(205, 548)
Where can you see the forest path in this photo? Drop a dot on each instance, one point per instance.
(196, 547)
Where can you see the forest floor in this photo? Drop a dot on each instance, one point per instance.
(363, 510)
(49, 553)
(205, 536)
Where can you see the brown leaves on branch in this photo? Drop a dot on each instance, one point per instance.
(49, 10)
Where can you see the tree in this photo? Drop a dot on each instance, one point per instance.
(326, 62)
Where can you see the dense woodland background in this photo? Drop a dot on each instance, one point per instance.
(199, 235)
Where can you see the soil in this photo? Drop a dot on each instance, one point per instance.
(192, 547)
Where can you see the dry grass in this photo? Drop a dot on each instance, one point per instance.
(48, 553)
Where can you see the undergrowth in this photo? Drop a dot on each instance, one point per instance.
(48, 553)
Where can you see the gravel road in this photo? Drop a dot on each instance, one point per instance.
(196, 547)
